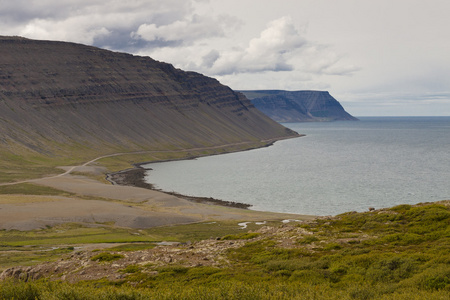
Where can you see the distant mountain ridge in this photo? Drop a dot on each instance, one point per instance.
(298, 106)
(57, 94)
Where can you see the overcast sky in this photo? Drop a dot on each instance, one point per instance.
(383, 57)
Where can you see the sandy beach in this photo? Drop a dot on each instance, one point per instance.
(97, 203)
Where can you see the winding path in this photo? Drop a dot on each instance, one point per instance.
(70, 170)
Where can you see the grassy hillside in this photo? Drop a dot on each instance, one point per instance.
(64, 103)
(397, 253)
(18, 163)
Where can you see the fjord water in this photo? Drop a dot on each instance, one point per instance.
(337, 167)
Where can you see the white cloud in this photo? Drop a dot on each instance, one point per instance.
(270, 51)
(186, 31)
(281, 46)
(57, 30)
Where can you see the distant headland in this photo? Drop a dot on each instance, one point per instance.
(298, 106)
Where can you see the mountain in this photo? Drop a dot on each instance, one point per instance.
(298, 106)
(55, 95)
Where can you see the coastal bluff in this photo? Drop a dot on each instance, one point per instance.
(59, 95)
(298, 106)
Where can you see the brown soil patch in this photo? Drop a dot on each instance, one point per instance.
(124, 206)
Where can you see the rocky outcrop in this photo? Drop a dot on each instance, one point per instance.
(55, 95)
(298, 106)
(81, 265)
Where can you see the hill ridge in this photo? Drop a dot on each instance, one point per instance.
(55, 95)
(298, 106)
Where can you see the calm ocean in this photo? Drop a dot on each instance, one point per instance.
(338, 167)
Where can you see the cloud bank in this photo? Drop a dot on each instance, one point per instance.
(363, 52)
(95, 22)
(172, 31)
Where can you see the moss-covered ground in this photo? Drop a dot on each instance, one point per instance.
(397, 253)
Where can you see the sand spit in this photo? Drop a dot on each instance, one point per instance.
(128, 204)
(125, 206)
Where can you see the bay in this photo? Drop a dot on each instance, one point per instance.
(337, 167)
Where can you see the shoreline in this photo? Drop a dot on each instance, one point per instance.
(135, 177)
(134, 205)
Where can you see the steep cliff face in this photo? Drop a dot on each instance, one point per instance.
(54, 94)
(298, 106)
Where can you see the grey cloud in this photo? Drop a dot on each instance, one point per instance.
(22, 11)
(122, 41)
(104, 24)
(209, 59)
(173, 31)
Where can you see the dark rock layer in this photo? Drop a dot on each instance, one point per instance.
(298, 106)
(54, 94)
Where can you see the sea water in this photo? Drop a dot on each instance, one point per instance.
(337, 167)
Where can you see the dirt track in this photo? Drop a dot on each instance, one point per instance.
(125, 206)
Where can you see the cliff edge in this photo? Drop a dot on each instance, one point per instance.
(298, 106)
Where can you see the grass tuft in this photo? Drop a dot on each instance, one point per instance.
(106, 257)
(241, 236)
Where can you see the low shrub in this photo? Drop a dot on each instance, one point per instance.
(332, 246)
(308, 240)
(173, 270)
(289, 265)
(131, 269)
(241, 236)
(106, 257)
(391, 269)
(402, 239)
(401, 208)
(435, 278)
(15, 289)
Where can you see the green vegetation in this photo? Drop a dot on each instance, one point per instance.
(197, 231)
(134, 246)
(106, 257)
(70, 234)
(31, 189)
(308, 239)
(125, 161)
(131, 269)
(32, 247)
(26, 256)
(21, 164)
(241, 236)
(397, 253)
